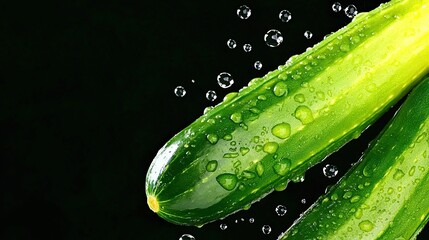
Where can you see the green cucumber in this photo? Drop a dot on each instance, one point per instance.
(385, 195)
(272, 131)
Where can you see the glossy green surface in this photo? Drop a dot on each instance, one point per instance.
(385, 196)
(282, 124)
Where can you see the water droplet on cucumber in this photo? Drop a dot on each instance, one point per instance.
(398, 174)
(270, 147)
(304, 114)
(281, 130)
(366, 226)
(280, 89)
(227, 180)
(236, 117)
(282, 166)
(212, 138)
(300, 98)
(211, 166)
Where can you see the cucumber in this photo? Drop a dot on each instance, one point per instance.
(277, 127)
(384, 196)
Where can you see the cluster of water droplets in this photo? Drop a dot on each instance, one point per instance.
(350, 11)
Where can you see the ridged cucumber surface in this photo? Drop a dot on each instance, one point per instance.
(384, 196)
(277, 127)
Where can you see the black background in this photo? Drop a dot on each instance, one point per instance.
(87, 100)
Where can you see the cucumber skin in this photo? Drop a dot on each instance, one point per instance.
(395, 201)
(187, 194)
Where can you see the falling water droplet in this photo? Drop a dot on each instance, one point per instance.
(266, 229)
(225, 80)
(303, 201)
(223, 226)
(247, 47)
(351, 11)
(258, 65)
(251, 220)
(244, 12)
(180, 91)
(231, 43)
(308, 34)
(285, 16)
(211, 95)
(330, 171)
(336, 7)
(273, 38)
(187, 237)
(281, 210)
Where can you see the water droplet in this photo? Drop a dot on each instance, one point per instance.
(330, 171)
(227, 180)
(336, 7)
(280, 89)
(259, 169)
(251, 220)
(244, 150)
(227, 137)
(212, 138)
(223, 226)
(192, 81)
(304, 114)
(262, 98)
(398, 174)
(211, 166)
(211, 95)
(358, 214)
(231, 43)
(225, 80)
(270, 147)
(355, 199)
(266, 229)
(300, 98)
(298, 179)
(236, 117)
(351, 11)
(228, 97)
(230, 155)
(303, 201)
(308, 34)
(412, 171)
(281, 130)
(281, 210)
(273, 38)
(247, 47)
(367, 171)
(285, 16)
(347, 195)
(366, 226)
(258, 65)
(180, 91)
(248, 174)
(282, 166)
(244, 12)
(187, 237)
